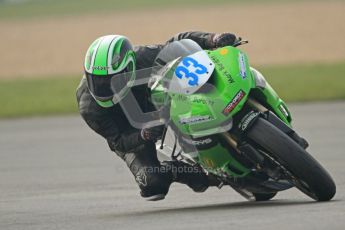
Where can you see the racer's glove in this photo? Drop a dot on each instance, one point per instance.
(223, 39)
(152, 134)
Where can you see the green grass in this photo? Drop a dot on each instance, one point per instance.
(56, 95)
(28, 97)
(37, 8)
(313, 82)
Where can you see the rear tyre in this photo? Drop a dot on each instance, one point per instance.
(308, 175)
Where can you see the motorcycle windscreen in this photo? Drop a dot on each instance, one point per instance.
(176, 49)
(184, 67)
(127, 88)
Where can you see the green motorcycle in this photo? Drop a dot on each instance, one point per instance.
(225, 117)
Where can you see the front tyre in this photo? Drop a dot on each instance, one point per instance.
(308, 175)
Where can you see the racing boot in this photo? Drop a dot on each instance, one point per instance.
(153, 181)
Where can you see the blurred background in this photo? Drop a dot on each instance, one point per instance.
(55, 173)
(298, 45)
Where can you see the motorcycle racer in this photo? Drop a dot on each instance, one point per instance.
(109, 56)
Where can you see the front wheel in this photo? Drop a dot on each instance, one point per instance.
(306, 173)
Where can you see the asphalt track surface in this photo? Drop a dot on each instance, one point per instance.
(57, 174)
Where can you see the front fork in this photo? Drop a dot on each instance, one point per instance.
(276, 121)
(237, 138)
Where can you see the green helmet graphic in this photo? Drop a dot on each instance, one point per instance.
(109, 59)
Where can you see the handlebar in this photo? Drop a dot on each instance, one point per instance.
(239, 42)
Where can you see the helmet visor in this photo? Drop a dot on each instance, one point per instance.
(99, 85)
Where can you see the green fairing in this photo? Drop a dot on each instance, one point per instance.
(274, 101)
(229, 79)
(217, 160)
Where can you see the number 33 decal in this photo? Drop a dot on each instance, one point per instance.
(184, 71)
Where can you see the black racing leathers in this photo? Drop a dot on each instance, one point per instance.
(112, 124)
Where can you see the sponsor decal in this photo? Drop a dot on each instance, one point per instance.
(196, 119)
(234, 102)
(228, 76)
(100, 68)
(198, 142)
(217, 62)
(247, 120)
(222, 69)
(140, 177)
(204, 101)
(242, 61)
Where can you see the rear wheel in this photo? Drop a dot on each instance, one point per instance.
(306, 173)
